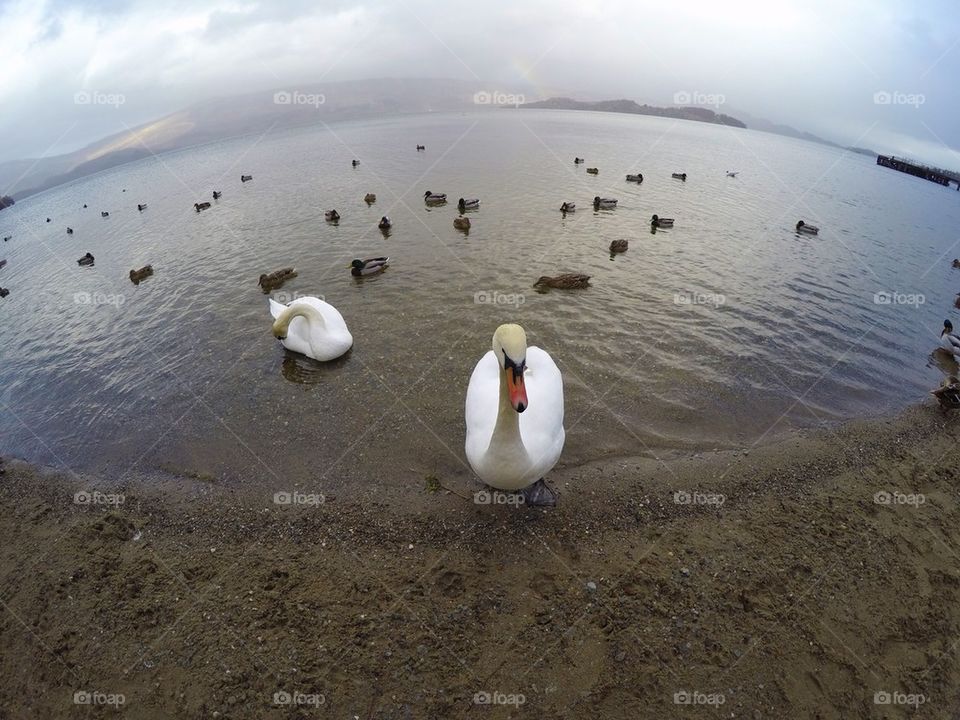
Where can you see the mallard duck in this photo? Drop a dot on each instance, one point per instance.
(246, 178)
(618, 246)
(568, 281)
(69, 231)
(461, 223)
(4, 292)
(355, 163)
(370, 266)
(608, 203)
(469, 204)
(431, 197)
(638, 178)
(802, 227)
(593, 171)
(137, 275)
(949, 341)
(514, 416)
(369, 198)
(659, 222)
(201, 206)
(578, 161)
(217, 194)
(273, 280)
(102, 214)
(86, 260)
(332, 216)
(7, 238)
(421, 147)
(385, 223)
(311, 327)
(732, 174)
(679, 176)
(948, 394)
(956, 262)
(141, 208)
(568, 207)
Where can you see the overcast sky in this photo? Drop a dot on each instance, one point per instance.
(816, 65)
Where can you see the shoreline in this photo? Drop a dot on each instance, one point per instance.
(754, 582)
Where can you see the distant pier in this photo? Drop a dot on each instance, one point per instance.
(905, 166)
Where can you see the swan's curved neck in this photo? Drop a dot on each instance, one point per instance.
(506, 433)
(282, 323)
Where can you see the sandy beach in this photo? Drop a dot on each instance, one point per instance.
(818, 576)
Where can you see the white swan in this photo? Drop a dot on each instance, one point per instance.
(949, 341)
(514, 416)
(311, 327)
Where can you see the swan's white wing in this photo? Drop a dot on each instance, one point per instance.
(276, 308)
(482, 404)
(541, 424)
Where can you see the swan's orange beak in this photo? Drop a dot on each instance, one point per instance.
(516, 388)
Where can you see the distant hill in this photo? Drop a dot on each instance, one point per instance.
(697, 114)
(259, 112)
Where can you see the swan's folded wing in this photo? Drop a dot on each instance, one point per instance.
(276, 308)
(541, 424)
(482, 404)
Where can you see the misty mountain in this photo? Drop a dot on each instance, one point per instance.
(697, 114)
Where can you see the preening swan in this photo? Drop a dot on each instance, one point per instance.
(514, 416)
(311, 327)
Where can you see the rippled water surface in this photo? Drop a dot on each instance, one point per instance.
(724, 330)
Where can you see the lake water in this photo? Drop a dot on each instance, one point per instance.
(726, 330)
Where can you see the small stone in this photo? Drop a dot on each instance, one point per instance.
(685, 572)
(592, 586)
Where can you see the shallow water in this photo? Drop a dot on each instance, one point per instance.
(181, 372)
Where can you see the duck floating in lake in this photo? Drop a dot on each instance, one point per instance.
(136, 276)
(802, 227)
(370, 198)
(659, 222)
(370, 266)
(7, 238)
(732, 174)
(86, 260)
(385, 223)
(468, 204)
(69, 231)
(578, 161)
(638, 178)
(201, 206)
(2, 263)
(679, 176)
(434, 198)
(217, 194)
(618, 246)
(332, 216)
(421, 147)
(102, 214)
(48, 219)
(246, 178)
(355, 163)
(514, 417)
(141, 208)
(568, 281)
(948, 394)
(593, 171)
(949, 341)
(568, 207)
(956, 263)
(461, 223)
(311, 327)
(606, 203)
(4, 292)
(273, 280)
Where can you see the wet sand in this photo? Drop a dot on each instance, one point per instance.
(774, 583)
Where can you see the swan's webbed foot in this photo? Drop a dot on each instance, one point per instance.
(539, 495)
